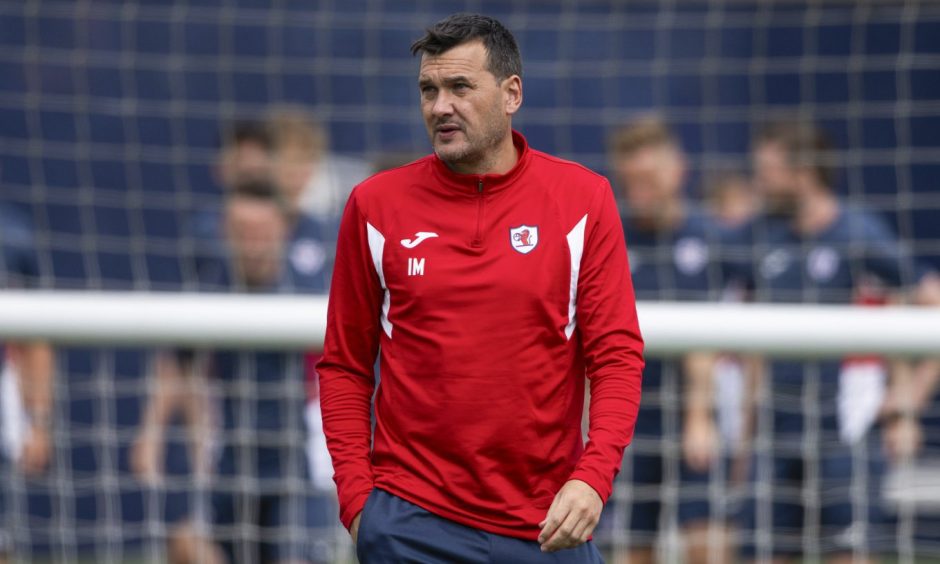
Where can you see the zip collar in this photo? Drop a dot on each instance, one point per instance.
(490, 182)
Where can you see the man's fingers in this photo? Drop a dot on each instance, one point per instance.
(565, 536)
(571, 518)
(552, 519)
(548, 529)
(585, 529)
(354, 528)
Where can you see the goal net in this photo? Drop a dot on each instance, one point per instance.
(112, 116)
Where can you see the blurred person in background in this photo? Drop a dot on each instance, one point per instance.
(245, 152)
(261, 150)
(314, 185)
(673, 249)
(26, 385)
(260, 510)
(315, 181)
(731, 200)
(821, 478)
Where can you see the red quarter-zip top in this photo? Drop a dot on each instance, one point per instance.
(490, 298)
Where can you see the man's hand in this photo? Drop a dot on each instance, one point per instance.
(902, 438)
(571, 518)
(37, 450)
(354, 528)
(147, 457)
(700, 443)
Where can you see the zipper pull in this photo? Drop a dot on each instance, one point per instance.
(480, 186)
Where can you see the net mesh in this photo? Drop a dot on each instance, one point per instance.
(111, 115)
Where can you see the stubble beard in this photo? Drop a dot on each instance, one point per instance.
(476, 152)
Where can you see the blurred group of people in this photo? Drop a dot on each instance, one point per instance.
(263, 487)
(231, 439)
(762, 458)
(745, 456)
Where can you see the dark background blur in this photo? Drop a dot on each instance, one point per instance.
(110, 112)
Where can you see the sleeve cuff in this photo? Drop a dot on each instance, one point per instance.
(353, 508)
(602, 487)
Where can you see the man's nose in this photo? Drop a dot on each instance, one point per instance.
(443, 104)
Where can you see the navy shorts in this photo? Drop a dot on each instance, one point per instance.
(392, 530)
(836, 493)
(271, 513)
(253, 527)
(179, 499)
(653, 488)
(927, 535)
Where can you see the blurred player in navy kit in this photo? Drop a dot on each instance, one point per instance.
(731, 199)
(259, 506)
(259, 150)
(732, 202)
(25, 384)
(315, 180)
(290, 147)
(245, 151)
(824, 468)
(673, 256)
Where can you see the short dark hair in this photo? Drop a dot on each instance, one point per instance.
(247, 131)
(259, 189)
(805, 144)
(502, 53)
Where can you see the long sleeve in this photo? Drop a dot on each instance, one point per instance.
(345, 372)
(613, 346)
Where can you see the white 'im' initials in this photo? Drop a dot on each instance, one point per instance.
(415, 267)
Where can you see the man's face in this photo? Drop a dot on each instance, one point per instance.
(464, 106)
(734, 201)
(243, 160)
(776, 180)
(293, 168)
(256, 232)
(651, 178)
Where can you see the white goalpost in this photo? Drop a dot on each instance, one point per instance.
(299, 322)
(112, 119)
(195, 320)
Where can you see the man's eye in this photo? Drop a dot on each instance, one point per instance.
(461, 86)
(428, 90)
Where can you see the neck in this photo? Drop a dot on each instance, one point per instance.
(499, 160)
(817, 210)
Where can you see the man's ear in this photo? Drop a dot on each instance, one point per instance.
(512, 94)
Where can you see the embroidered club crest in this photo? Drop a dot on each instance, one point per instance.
(524, 238)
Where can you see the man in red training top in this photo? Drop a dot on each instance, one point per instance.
(485, 336)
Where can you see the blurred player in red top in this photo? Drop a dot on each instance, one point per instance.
(493, 278)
